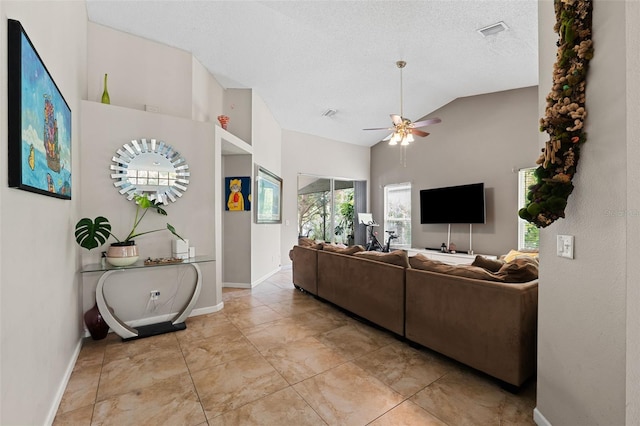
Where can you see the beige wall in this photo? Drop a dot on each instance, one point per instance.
(481, 139)
(582, 302)
(312, 155)
(632, 14)
(40, 289)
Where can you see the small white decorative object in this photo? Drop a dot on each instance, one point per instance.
(180, 249)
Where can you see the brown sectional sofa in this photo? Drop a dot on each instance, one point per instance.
(488, 325)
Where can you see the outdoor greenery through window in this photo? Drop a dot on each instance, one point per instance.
(326, 209)
(397, 213)
(528, 233)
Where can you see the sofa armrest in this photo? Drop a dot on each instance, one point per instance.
(305, 268)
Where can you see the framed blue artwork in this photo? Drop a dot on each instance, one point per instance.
(39, 122)
(237, 193)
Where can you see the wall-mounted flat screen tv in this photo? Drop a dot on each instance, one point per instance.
(453, 204)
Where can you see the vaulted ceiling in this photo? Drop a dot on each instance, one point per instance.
(305, 57)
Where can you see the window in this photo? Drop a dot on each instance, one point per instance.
(397, 213)
(528, 233)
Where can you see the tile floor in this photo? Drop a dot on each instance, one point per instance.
(277, 356)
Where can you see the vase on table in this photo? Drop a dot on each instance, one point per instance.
(96, 325)
(124, 253)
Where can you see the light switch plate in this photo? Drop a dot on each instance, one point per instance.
(565, 246)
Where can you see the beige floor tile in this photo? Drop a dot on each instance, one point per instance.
(463, 398)
(302, 359)
(215, 365)
(248, 318)
(284, 407)
(172, 401)
(407, 414)
(320, 321)
(276, 333)
(201, 328)
(231, 385)
(240, 303)
(353, 341)
(78, 417)
(209, 352)
(123, 375)
(406, 370)
(148, 346)
(81, 389)
(347, 395)
(296, 305)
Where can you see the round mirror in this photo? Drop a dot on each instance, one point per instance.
(150, 167)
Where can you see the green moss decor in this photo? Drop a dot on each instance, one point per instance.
(564, 115)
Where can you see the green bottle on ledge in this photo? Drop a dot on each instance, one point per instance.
(105, 93)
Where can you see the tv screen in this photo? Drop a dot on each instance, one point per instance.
(453, 204)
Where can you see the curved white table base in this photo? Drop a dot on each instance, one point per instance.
(127, 332)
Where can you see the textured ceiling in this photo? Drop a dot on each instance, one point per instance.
(304, 57)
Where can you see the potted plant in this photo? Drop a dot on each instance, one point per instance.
(94, 233)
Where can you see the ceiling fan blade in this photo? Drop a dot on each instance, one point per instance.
(426, 122)
(396, 119)
(380, 128)
(419, 133)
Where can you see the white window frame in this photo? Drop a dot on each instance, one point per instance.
(522, 200)
(391, 187)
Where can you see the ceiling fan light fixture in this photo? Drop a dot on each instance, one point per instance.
(493, 29)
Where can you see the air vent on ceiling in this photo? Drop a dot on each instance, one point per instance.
(329, 113)
(493, 29)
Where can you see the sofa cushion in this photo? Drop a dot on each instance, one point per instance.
(422, 262)
(342, 250)
(522, 269)
(396, 257)
(517, 253)
(491, 265)
(308, 242)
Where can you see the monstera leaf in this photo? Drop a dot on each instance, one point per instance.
(91, 234)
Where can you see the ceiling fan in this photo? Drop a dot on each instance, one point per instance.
(403, 128)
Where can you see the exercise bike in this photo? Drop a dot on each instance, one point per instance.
(374, 245)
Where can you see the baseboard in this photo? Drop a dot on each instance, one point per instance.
(63, 384)
(539, 418)
(254, 283)
(207, 310)
(236, 285)
(265, 277)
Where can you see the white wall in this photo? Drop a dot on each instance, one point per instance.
(266, 137)
(481, 139)
(105, 128)
(207, 95)
(40, 305)
(582, 302)
(312, 155)
(141, 72)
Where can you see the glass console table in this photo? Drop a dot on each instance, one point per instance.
(130, 333)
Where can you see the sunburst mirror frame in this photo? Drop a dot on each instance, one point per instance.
(150, 167)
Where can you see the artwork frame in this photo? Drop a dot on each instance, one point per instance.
(39, 121)
(268, 196)
(241, 201)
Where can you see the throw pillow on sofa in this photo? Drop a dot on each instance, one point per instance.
(308, 242)
(491, 265)
(518, 253)
(396, 257)
(520, 270)
(343, 250)
(422, 262)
